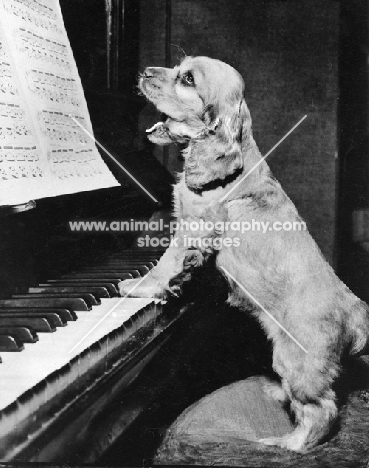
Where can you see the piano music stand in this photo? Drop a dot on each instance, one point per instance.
(13, 209)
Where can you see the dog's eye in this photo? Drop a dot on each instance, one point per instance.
(188, 79)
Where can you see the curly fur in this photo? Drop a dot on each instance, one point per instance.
(285, 270)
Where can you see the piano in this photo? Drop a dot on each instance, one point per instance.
(68, 342)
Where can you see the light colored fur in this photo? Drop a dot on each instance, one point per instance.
(284, 270)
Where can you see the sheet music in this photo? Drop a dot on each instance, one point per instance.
(43, 152)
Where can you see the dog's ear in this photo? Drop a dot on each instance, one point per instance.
(234, 126)
(217, 153)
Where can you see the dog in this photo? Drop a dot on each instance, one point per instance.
(281, 276)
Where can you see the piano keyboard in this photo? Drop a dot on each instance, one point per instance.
(22, 371)
(66, 334)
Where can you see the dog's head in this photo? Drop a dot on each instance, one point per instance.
(206, 112)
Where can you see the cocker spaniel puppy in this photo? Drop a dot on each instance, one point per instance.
(283, 270)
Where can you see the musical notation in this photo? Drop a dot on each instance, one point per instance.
(12, 122)
(2, 51)
(59, 127)
(11, 111)
(74, 162)
(55, 88)
(19, 155)
(37, 47)
(7, 85)
(34, 12)
(19, 161)
(39, 90)
(13, 131)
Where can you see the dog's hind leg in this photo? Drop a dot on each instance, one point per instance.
(307, 380)
(313, 423)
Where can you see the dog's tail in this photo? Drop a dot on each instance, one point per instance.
(358, 324)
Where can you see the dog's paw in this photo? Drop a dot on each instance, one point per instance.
(141, 287)
(295, 441)
(174, 290)
(275, 391)
(193, 259)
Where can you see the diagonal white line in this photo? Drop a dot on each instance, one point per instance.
(108, 313)
(113, 158)
(263, 309)
(262, 159)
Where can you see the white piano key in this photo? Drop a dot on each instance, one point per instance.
(21, 371)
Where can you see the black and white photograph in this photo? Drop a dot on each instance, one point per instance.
(184, 233)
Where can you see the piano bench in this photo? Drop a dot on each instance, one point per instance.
(223, 428)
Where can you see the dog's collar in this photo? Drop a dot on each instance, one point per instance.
(216, 183)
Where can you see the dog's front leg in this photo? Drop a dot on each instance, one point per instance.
(176, 262)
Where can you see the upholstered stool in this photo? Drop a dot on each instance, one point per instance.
(223, 428)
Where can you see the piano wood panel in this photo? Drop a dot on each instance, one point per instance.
(38, 244)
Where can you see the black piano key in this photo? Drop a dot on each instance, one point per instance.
(114, 273)
(144, 258)
(108, 286)
(73, 303)
(72, 280)
(53, 318)
(97, 291)
(89, 298)
(117, 264)
(66, 314)
(123, 265)
(141, 269)
(9, 343)
(138, 253)
(101, 276)
(130, 262)
(38, 324)
(22, 334)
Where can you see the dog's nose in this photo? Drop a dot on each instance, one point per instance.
(148, 73)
